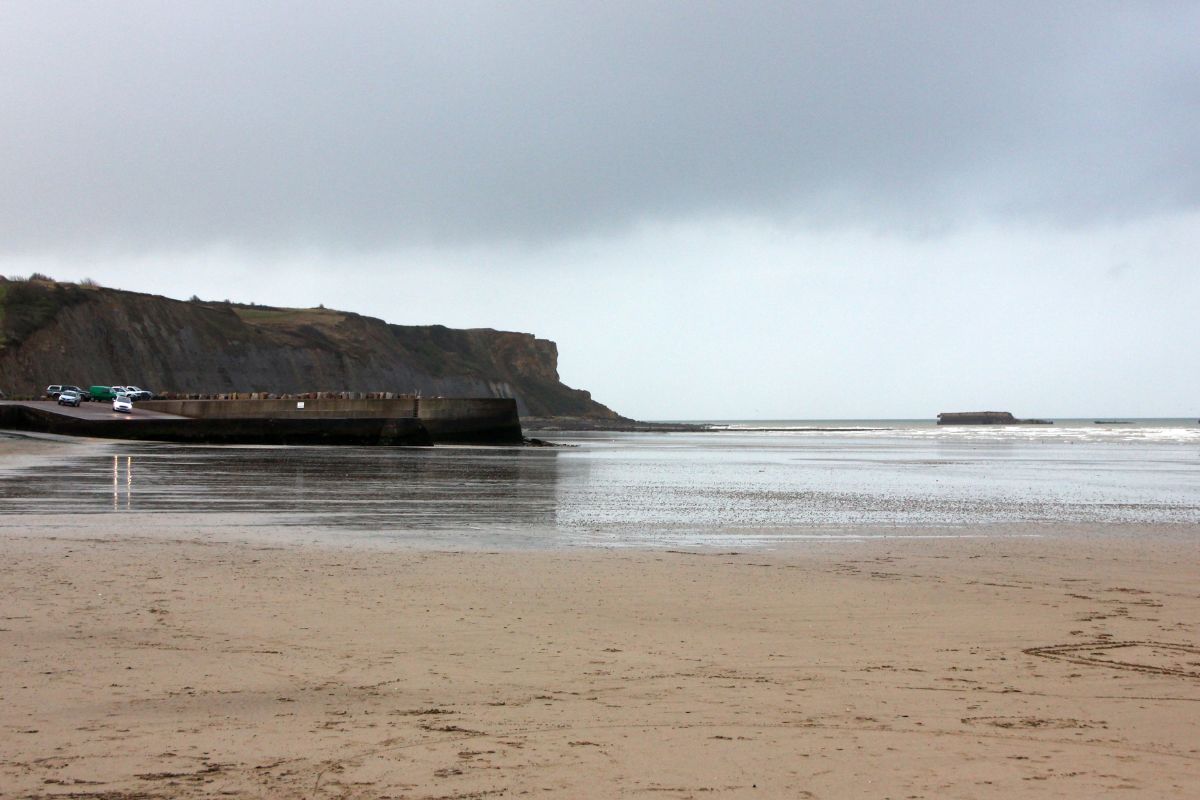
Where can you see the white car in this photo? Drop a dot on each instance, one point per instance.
(122, 403)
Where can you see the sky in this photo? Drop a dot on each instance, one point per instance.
(735, 210)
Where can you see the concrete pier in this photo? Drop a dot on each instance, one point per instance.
(328, 421)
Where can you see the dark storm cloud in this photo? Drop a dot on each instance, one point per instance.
(359, 125)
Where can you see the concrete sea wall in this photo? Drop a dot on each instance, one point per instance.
(284, 409)
(406, 421)
(362, 431)
(471, 420)
(465, 420)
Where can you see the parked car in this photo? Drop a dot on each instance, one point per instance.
(55, 389)
(102, 392)
(121, 402)
(139, 394)
(69, 397)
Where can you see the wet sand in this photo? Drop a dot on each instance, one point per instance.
(17, 448)
(142, 666)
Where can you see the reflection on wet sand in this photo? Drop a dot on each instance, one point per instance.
(116, 489)
(361, 489)
(728, 489)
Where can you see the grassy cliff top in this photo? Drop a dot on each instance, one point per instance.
(30, 304)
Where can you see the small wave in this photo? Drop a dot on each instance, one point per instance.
(1173, 431)
(795, 429)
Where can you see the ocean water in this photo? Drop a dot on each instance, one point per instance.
(746, 484)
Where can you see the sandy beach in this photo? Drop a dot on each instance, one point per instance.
(138, 667)
(635, 401)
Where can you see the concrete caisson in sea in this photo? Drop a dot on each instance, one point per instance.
(986, 418)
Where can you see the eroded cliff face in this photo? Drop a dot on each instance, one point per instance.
(63, 333)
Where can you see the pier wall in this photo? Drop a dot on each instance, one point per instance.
(471, 420)
(361, 431)
(283, 409)
(465, 420)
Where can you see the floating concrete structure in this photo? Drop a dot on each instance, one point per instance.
(986, 418)
(409, 421)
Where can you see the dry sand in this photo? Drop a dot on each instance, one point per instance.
(136, 668)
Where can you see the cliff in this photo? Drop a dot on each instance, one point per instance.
(66, 333)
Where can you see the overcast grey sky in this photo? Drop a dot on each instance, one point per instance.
(718, 210)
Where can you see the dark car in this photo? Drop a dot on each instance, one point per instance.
(69, 397)
(55, 389)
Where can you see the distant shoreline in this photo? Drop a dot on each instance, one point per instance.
(581, 424)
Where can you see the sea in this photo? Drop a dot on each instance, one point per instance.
(741, 484)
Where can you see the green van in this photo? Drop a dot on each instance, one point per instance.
(101, 392)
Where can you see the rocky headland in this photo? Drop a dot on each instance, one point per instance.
(55, 332)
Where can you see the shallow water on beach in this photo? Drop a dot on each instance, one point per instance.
(749, 484)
